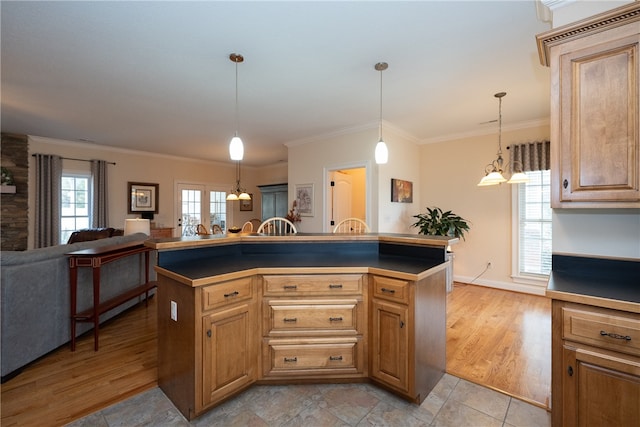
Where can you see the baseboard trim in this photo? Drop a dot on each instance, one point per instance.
(507, 286)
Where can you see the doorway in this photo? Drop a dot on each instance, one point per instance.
(200, 204)
(346, 195)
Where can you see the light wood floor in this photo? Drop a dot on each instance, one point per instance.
(495, 338)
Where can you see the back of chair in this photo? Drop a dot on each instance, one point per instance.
(216, 229)
(351, 225)
(247, 227)
(256, 223)
(201, 230)
(277, 225)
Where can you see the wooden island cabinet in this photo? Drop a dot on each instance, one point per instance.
(244, 309)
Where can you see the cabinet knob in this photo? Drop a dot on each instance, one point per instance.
(565, 184)
(616, 336)
(290, 287)
(570, 371)
(290, 359)
(209, 333)
(388, 291)
(335, 286)
(335, 319)
(401, 324)
(232, 294)
(335, 358)
(290, 319)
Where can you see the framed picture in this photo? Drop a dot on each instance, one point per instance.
(401, 191)
(304, 199)
(247, 205)
(142, 197)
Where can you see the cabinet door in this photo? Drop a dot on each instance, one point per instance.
(600, 389)
(389, 344)
(598, 110)
(229, 352)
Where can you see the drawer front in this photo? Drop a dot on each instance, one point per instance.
(309, 316)
(313, 284)
(608, 329)
(287, 357)
(391, 289)
(227, 293)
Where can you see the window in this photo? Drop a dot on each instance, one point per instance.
(74, 209)
(533, 223)
(218, 209)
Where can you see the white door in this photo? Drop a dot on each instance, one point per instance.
(200, 204)
(341, 187)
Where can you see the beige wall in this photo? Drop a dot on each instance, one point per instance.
(137, 166)
(450, 172)
(309, 163)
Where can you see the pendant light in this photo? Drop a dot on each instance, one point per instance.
(494, 170)
(236, 148)
(382, 152)
(238, 193)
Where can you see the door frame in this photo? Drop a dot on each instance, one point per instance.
(326, 193)
(207, 187)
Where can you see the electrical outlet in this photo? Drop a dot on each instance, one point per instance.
(489, 265)
(174, 311)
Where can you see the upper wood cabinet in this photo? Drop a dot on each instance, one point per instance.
(595, 107)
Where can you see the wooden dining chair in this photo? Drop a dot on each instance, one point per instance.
(277, 225)
(256, 223)
(351, 225)
(201, 230)
(247, 227)
(216, 229)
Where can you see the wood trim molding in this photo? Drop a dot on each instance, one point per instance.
(586, 27)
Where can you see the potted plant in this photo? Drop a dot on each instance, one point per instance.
(439, 223)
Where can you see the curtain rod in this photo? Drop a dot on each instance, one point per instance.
(80, 160)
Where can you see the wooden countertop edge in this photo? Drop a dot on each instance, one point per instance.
(231, 239)
(614, 304)
(219, 278)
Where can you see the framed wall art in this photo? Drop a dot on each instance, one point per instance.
(304, 199)
(247, 205)
(142, 197)
(401, 191)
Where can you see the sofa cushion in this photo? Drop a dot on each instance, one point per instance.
(90, 234)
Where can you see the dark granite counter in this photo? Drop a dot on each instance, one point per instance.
(605, 282)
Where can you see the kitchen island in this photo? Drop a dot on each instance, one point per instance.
(234, 310)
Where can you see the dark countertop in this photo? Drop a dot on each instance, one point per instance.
(199, 265)
(606, 282)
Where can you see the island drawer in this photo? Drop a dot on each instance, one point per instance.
(391, 289)
(600, 327)
(227, 293)
(313, 284)
(296, 316)
(309, 356)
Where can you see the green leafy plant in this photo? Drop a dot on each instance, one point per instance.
(439, 223)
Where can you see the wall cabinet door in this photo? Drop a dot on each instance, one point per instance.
(275, 200)
(390, 344)
(229, 352)
(600, 389)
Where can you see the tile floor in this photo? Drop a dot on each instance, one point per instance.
(453, 402)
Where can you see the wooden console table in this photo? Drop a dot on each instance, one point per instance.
(95, 258)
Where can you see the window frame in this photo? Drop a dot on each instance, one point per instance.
(516, 274)
(76, 174)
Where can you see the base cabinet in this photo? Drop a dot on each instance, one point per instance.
(595, 366)
(390, 344)
(229, 362)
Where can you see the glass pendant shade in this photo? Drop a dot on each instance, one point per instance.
(232, 196)
(493, 178)
(518, 178)
(244, 196)
(382, 152)
(236, 148)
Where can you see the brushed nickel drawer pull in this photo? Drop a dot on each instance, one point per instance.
(290, 287)
(389, 291)
(335, 358)
(290, 319)
(232, 294)
(335, 319)
(335, 286)
(290, 359)
(616, 336)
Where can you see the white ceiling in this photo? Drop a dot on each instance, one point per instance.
(156, 76)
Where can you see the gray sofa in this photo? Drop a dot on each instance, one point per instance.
(34, 297)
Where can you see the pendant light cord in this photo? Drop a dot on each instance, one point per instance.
(380, 128)
(236, 97)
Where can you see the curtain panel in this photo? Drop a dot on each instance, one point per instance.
(533, 156)
(99, 203)
(48, 187)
